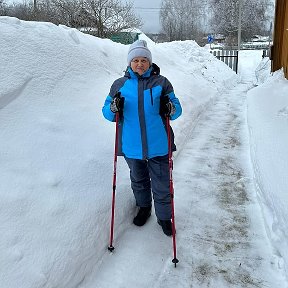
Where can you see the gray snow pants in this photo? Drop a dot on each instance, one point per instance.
(152, 173)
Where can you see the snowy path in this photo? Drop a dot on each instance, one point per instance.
(227, 236)
(221, 240)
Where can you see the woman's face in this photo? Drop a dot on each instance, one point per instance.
(140, 65)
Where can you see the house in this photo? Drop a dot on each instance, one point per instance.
(259, 38)
(126, 36)
(279, 50)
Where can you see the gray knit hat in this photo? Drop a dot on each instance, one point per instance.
(139, 49)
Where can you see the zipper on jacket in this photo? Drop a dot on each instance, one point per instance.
(151, 95)
(142, 120)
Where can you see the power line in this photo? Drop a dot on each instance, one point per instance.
(148, 8)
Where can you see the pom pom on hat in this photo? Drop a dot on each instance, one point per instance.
(139, 49)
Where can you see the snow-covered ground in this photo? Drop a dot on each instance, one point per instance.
(268, 123)
(56, 155)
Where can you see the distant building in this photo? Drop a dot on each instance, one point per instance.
(219, 38)
(259, 38)
(127, 36)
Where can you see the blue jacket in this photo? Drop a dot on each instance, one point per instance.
(142, 130)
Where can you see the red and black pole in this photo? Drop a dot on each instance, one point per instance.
(111, 247)
(171, 187)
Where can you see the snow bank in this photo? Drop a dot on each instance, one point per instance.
(267, 120)
(56, 150)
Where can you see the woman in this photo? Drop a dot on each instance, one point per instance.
(144, 99)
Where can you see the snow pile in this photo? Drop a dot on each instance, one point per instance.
(56, 150)
(267, 120)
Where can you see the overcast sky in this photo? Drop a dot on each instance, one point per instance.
(148, 10)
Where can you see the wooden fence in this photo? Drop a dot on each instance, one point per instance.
(229, 57)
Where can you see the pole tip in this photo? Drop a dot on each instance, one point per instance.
(175, 261)
(111, 248)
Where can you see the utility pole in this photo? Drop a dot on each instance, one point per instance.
(239, 33)
(239, 25)
(270, 34)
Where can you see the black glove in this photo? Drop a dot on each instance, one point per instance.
(167, 108)
(117, 103)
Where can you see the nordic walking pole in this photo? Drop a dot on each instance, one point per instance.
(110, 247)
(171, 188)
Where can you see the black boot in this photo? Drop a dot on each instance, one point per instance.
(143, 214)
(166, 226)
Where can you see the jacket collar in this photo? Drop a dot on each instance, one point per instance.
(153, 70)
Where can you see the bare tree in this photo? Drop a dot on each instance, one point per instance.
(2, 8)
(22, 11)
(101, 18)
(182, 19)
(225, 15)
(26, 11)
(110, 16)
(66, 12)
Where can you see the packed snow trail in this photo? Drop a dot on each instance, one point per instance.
(221, 240)
(227, 235)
